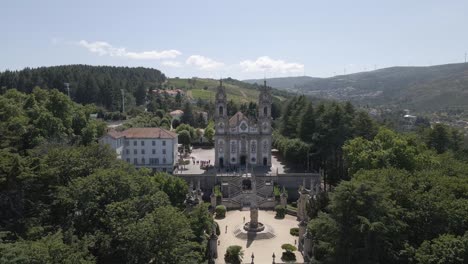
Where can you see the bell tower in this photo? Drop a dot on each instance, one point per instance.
(221, 126)
(264, 122)
(264, 104)
(220, 102)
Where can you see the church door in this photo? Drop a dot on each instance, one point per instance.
(265, 161)
(242, 160)
(221, 162)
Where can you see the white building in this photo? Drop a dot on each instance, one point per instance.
(148, 147)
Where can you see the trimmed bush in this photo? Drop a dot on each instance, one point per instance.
(220, 211)
(288, 255)
(280, 211)
(218, 232)
(294, 231)
(234, 254)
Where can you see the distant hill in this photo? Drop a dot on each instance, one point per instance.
(205, 89)
(285, 82)
(100, 85)
(418, 88)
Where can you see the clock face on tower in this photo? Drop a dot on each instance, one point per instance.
(243, 126)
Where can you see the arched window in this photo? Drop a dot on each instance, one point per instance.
(253, 147)
(233, 147)
(265, 111)
(221, 110)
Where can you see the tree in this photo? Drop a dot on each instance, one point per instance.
(184, 138)
(443, 249)
(288, 255)
(49, 249)
(209, 132)
(162, 236)
(140, 94)
(234, 254)
(307, 124)
(439, 138)
(187, 117)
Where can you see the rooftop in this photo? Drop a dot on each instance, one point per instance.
(148, 132)
(236, 118)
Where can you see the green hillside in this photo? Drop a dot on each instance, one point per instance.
(205, 89)
(418, 88)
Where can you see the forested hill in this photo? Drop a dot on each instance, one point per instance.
(418, 88)
(88, 84)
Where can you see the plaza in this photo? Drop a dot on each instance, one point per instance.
(262, 249)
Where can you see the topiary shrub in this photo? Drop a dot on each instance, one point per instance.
(220, 211)
(218, 232)
(288, 255)
(234, 254)
(280, 211)
(294, 231)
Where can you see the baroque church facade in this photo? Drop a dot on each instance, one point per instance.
(241, 141)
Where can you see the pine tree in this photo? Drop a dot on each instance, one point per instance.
(307, 124)
(187, 118)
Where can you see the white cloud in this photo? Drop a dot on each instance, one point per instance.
(203, 63)
(266, 63)
(174, 64)
(103, 48)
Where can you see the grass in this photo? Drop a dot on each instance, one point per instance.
(196, 89)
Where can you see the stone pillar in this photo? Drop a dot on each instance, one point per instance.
(302, 231)
(253, 217)
(213, 199)
(283, 199)
(301, 205)
(307, 248)
(213, 244)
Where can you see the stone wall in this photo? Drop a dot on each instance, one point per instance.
(291, 181)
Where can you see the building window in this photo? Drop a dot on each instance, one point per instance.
(157, 161)
(164, 151)
(134, 142)
(135, 151)
(265, 146)
(221, 112)
(154, 143)
(135, 161)
(143, 161)
(164, 143)
(154, 151)
(164, 160)
(142, 151)
(265, 111)
(233, 146)
(253, 147)
(128, 160)
(142, 143)
(126, 142)
(127, 151)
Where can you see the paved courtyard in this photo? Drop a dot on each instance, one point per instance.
(202, 154)
(262, 249)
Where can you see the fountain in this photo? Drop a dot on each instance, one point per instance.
(254, 228)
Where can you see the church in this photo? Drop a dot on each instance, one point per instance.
(241, 141)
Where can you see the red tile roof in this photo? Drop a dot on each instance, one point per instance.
(115, 134)
(236, 118)
(148, 132)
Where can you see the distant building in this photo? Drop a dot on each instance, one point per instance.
(176, 114)
(148, 147)
(240, 141)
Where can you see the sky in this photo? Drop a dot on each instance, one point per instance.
(241, 39)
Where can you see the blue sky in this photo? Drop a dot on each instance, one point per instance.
(241, 39)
